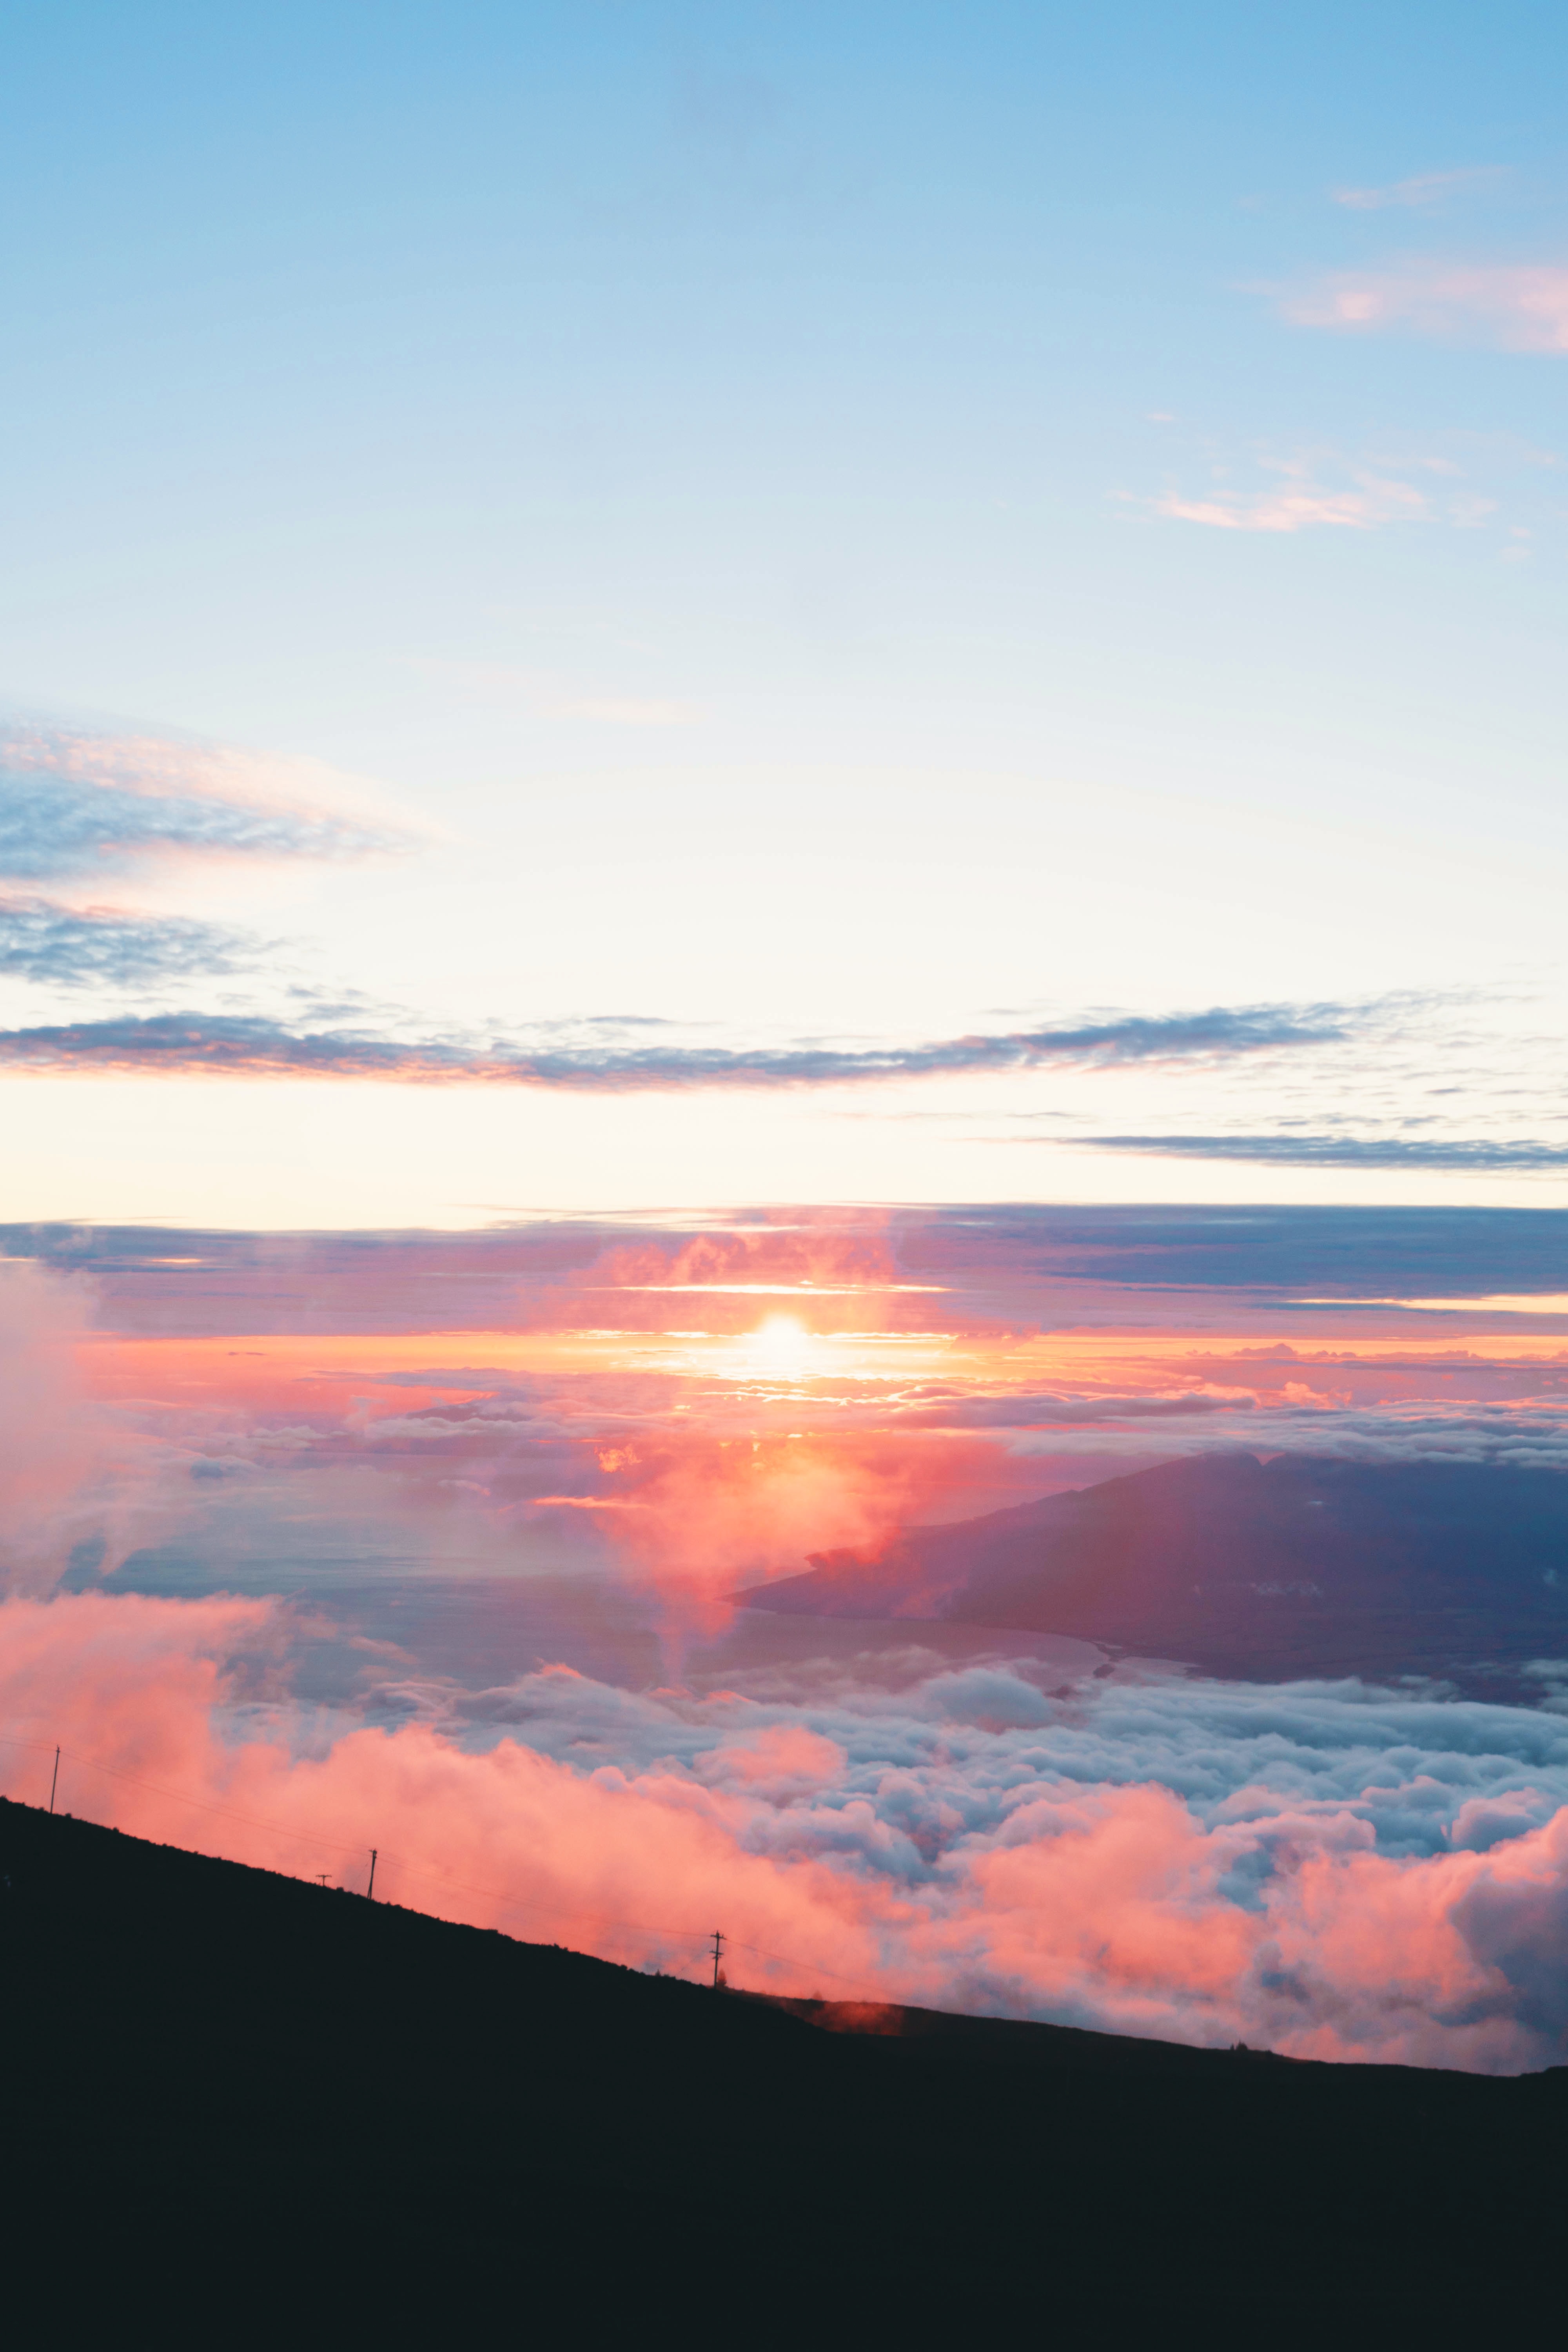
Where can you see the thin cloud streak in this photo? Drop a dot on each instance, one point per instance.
(1333, 1150)
(251, 1046)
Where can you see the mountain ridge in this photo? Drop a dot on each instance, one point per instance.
(236, 2096)
(1299, 1565)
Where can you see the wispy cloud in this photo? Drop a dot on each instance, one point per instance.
(1419, 193)
(62, 947)
(74, 803)
(1460, 481)
(1339, 1151)
(243, 1045)
(1299, 502)
(1520, 307)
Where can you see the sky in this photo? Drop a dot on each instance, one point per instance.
(592, 553)
(766, 772)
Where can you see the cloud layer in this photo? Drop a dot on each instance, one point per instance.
(244, 1046)
(1326, 1870)
(1296, 1150)
(1028, 1264)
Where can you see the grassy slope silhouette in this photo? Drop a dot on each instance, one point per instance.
(236, 2099)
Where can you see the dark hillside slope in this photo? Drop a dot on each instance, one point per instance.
(1297, 1565)
(244, 2103)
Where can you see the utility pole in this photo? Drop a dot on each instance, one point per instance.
(718, 1947)
(371, 1888)
(322, 1876)
(55, 1783)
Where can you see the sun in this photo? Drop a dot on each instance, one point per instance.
(781, 1349)
(785, 1353)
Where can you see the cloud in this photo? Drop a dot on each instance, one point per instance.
(68, 1474)
(1300, 504)
(712, 1514)
(1329, 1870)
(74, 803)
(1458, 482)
(1011, 1266)
(98, 947)
(1334, 1150)
(1009, 1248)
(1047, 1411)
(1520, 307)
(1418, 192)
(254, 1046)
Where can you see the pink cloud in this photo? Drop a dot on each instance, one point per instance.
(1302, 506)
(1520, 307)
(1105, 1904)
(716, 1514)
(787, 1760)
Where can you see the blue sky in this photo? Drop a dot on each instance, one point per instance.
(862, 523)
(872, 697)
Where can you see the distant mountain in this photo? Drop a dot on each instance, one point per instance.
(1301, 1565)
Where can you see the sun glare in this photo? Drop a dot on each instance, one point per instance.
(781, 1349)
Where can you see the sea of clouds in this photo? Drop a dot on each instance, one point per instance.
(1329, 1870)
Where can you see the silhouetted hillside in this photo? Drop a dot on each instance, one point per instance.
(239, 2102)
(1296, 1565)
